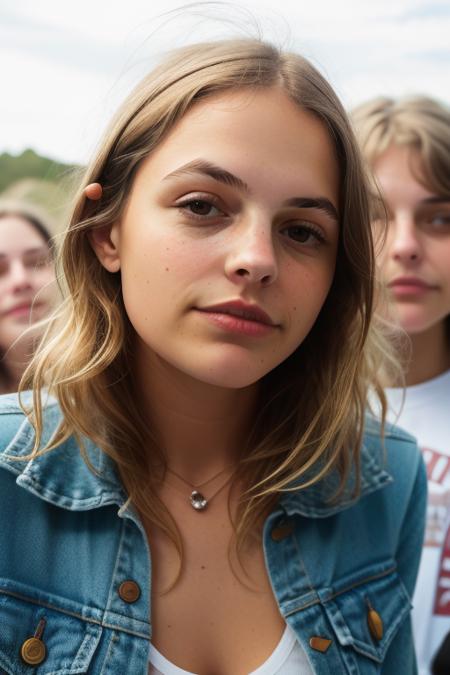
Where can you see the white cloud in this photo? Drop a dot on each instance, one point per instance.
(67, 67)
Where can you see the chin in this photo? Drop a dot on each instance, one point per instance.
(415, 323)
(229, 378)
(226, 366)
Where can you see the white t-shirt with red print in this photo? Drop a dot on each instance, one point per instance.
(424, 411)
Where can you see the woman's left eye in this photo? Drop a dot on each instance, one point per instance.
(304, 234)
(441, 220)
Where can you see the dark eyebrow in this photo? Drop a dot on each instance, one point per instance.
(436, 200)
(208, 169)
(320, 203)
(224, 176)
(36, 249)
(29, 251)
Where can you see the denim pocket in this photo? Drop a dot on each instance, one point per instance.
(68, 641)
(366, 615)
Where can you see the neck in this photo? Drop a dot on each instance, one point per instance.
(430, 355)
(14, 363)
(201, 428)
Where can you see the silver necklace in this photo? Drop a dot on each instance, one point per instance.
(197, 499)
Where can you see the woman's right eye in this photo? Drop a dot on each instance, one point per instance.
(35, 262)
(200, 208)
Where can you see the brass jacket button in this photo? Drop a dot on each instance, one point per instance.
(375, 624)
(33, 651)
(320, 644)
(282, 531)
(129, 591)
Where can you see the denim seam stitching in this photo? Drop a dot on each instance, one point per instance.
(373, 577)
(109, 651)
(107, 497)
(67, 612)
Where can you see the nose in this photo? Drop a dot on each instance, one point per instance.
(19, 276)
(404, 241)
(252, 258)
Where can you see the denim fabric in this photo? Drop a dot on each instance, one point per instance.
(70, 539)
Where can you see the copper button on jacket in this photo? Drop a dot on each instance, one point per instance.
(33, 651)
(375, 624)
(282, 531)
(129, 591)
(320, 644)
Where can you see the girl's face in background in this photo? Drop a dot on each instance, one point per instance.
(227, 245)
(26, 275)
(415, 259)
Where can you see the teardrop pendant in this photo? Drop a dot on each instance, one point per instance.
(198, 501)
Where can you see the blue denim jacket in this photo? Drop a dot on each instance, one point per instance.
(70, 540)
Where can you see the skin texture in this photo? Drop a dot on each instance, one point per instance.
(174, 262)
(417, 247)
(27, 289)
(187, 241)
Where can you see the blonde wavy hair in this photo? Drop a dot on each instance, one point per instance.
(311, 410)
(418, 122)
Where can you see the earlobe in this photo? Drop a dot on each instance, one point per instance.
(104, 241)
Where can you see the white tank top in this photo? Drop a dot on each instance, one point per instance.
(288, 658)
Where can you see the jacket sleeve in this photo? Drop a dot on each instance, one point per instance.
(400, 658)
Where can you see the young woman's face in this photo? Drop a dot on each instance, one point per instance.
(415, 259)
(228, 243)
(26, 276)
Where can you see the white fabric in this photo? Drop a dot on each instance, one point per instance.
(426, 415)
(288, 658)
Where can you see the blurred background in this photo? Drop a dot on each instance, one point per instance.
(66, 66)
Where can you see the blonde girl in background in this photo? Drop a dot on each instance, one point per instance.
(407, 144)
(27, 288)
(194, 471)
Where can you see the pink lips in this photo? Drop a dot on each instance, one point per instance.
(19, 310)
(23, 309)
(409, 286)
(239, 317)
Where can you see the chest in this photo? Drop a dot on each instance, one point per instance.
(212, 613)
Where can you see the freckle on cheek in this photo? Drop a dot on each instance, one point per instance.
(167, 269)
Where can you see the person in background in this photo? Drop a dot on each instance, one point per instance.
(27, 288)
(407, 145)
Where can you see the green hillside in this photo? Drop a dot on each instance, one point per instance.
(31, 165)
(29, 177)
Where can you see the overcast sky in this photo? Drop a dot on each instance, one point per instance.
(67, 65)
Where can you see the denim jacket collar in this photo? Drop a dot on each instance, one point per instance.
(63, 478)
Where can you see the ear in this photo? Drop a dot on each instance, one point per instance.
(105, 242)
